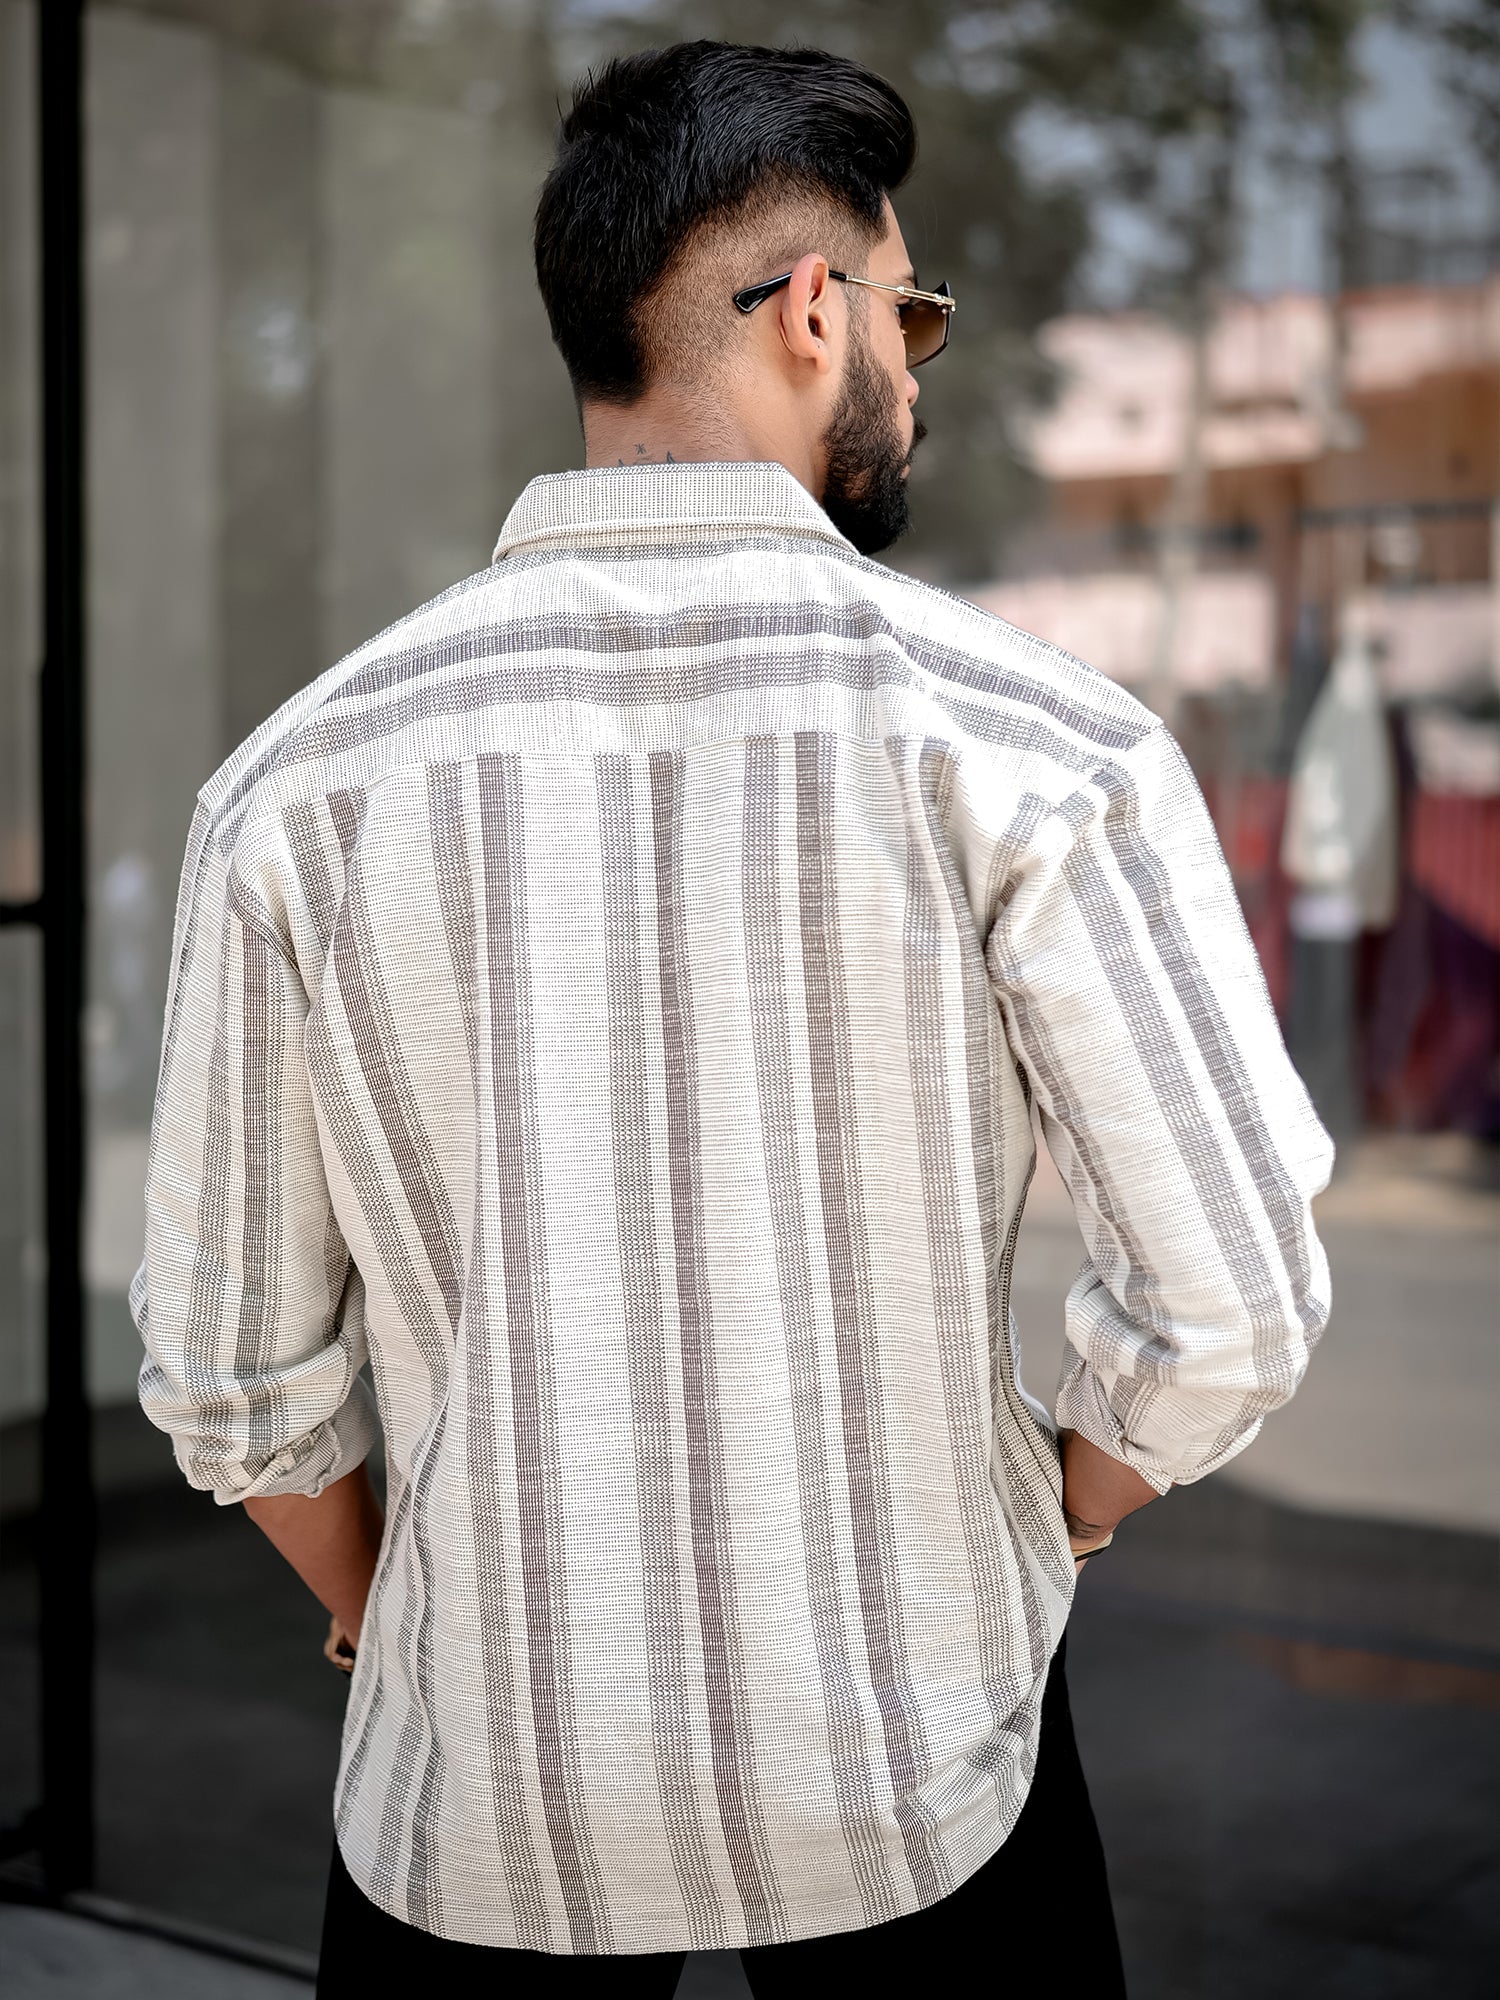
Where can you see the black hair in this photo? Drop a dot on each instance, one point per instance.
(659, 144)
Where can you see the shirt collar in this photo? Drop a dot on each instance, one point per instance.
(611, 503)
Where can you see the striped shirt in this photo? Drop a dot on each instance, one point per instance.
(615, 1001)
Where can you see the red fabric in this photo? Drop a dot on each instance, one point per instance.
(1249, 818)
(1453, 856)
(1434, 1025)
(1427, 1005)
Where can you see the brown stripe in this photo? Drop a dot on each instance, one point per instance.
(348, 1129)
(631, 1070)
(1031, 1457)
(520, 662)
(728, 1724)
(304, 831)
(700, 649)
(261, 1041)
(1184, 1112)
(775, 1068)
(357, 971)
(1034, 1040)
(853, 1312)
(1146, 874)
(1116, 1239)
(367, 1691)
(930, 959)
(315, 878)
(523, 1246)
(448, 821)
(1029, 1515)
(213, 1446)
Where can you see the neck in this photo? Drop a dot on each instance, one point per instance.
(670, 426)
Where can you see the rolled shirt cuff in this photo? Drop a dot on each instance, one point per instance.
(319, 1457)
(1183, 1453)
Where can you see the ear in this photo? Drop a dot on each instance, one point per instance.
(806, 315)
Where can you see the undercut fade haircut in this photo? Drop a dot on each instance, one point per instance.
(671, 147)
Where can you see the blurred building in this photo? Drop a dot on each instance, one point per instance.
(1223, 511)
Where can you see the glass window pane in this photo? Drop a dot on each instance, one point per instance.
(318, 375)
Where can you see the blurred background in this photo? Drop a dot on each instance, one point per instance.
(1221, 414)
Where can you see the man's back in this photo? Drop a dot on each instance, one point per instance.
(656, 943)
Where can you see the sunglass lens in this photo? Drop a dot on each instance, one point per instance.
(926, 330)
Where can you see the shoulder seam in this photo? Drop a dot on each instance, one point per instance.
(256, 919)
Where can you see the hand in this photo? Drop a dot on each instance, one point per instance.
(339, 1646)
(1098, 1492)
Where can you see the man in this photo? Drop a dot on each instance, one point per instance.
(615, 1000)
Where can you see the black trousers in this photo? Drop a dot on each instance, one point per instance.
(1039, 1908)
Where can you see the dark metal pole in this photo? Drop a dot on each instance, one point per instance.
(66, 1559)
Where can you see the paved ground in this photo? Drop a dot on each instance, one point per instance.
(1290, 1714)
(47, 1956)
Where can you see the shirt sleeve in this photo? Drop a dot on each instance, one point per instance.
(249, 1306)
(1135, 1005)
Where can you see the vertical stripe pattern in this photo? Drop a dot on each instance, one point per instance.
(544, 1574)
(628, 941)
(835, 1124)
(612, 1005)
(783, 1147)
(728, 1717)
(451, 840)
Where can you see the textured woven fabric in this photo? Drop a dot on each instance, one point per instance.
(613, 1000)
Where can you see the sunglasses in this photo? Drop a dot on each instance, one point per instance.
(924, 316)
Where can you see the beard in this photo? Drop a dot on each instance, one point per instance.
(865, 492)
